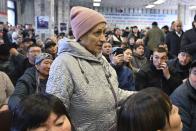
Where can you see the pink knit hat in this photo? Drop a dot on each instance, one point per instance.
(83, 19)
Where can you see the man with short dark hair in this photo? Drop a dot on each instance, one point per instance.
(154, 36)
(157, 73)
(185, 98)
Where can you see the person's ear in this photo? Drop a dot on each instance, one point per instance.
(37, 67)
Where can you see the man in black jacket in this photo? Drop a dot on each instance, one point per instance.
(157, 73)
(185, 98)
(180, 65)
(189, 40)
(173, 38)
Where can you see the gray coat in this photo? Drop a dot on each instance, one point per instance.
(84, 83)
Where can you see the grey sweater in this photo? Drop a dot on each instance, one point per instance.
(83, 82)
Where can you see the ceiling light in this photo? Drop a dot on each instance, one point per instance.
(150, 6)
(158, 2)
(192, 7)
(96, 0)
(96, 4)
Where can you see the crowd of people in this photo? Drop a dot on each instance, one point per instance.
(96, 79)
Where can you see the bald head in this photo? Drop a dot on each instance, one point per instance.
(178, 26)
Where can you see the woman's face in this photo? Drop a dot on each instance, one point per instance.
(44, 67)
(139, 50)
(127, 55)
(175, 120)
(107, 48)
(94, 39)
(54, 123)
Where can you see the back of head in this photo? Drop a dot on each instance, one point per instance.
(154, 24)
(35, 110)
(148, 110)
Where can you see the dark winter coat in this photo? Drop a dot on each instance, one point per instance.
(173, 42)
(179, 71)
(185, 98)
(149, 76)
(125, 77)
(189, 42)
(26, 85)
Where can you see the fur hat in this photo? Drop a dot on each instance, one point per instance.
(83, 19)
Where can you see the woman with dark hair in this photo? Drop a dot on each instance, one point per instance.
(41, 112)
(149, 110)
(138, 60)
(128, 55)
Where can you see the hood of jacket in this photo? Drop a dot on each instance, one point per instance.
(77, 50)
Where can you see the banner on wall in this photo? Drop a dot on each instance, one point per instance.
(3, 17)
(42, 24)
(123, 20)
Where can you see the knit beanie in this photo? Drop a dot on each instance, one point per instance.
(83, 20)
(42, 57)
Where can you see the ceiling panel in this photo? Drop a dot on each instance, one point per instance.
(169, 4)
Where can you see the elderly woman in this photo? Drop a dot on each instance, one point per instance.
(32, 81)
(82, 78)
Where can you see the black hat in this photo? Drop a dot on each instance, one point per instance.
(185, 50)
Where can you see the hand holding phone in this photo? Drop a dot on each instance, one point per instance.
(165, 69)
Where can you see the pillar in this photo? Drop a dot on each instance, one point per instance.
(184, 15)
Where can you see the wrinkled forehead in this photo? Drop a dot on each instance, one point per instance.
(100, 26)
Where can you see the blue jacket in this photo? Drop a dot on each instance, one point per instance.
(125, 77)
(185, 98)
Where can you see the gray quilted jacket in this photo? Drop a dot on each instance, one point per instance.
(83, 82)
